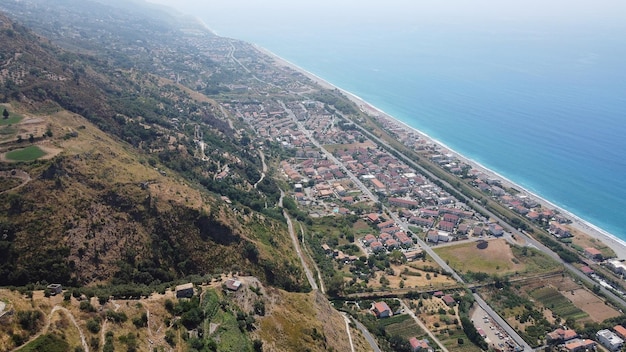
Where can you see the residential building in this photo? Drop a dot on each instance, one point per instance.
(496, 230)
(233, 284)
(620, 331)
(55, 289)
(593, 253)
(559, 230)
(610, 340)
(446, 226)
(448, 300)
(579, 345)
(382, 310)
(561, 335)
(184, 290)
(419, 345)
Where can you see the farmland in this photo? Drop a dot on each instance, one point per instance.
(552, 299)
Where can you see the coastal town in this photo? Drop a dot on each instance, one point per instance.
(417, 247)
(339, 169)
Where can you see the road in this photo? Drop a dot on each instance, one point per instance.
(370, 339)
(421, 324)
(345, 317)
(296, 245)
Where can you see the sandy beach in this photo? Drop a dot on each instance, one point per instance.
(577, 224)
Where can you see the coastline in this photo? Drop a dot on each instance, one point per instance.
(616, 244)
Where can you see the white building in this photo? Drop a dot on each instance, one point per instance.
(610, 340)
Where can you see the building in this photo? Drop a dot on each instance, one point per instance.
(448, 300)
(617, 266)
(610, 340)
(403, 203)
(593, 253)
(233, 284)
(382, 310)
(587, 270)
(561, 335)
(55, 289)
(559, 230)
(446, 226)
(184, 290)
(496, 230)
(419, 345)
(620, 331)
(579, 345)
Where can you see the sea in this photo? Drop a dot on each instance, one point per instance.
(540, 103)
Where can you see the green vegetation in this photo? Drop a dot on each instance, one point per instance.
(29, 153)
(551, 298)
(47, 343)
(9, 119)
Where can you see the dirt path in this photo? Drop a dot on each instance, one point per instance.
(264, 168)
(421, 324)
(46, 327)
(19, 174)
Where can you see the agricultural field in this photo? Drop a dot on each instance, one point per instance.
(495, 257)
(552, 299)
(29, 153)
(580, 297)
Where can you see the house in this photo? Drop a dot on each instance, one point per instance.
(561, 335)
(368, 239)
(326, 248)
(382, 225)
(391, 244)
(579, 345)
(427, 222)
(620, 331)
(587, 270)
(376, 246)
(233, 284)
(496, 230)
(403, 203)
(432, 236)
(419, 345)
(451, 218)
(382, 310)
(559, 230)
(593, 253)
(412, 255)
(438, 294)
(373, 218)
(55, 289)
(448, 300)
(446, 226)
(184, 290)
(610, 340)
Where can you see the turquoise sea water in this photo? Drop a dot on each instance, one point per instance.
(546, 108)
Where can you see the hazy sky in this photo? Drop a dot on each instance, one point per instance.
(347, 11)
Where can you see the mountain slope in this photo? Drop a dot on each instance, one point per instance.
(107, 208)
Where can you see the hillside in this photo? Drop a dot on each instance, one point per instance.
(119, 196)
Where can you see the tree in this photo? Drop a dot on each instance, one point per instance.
(5, 113)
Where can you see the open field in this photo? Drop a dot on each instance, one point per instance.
(30, 153)
(495, 257)
(12, 120)
(334, 147)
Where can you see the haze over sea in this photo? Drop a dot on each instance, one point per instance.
(539, 99)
